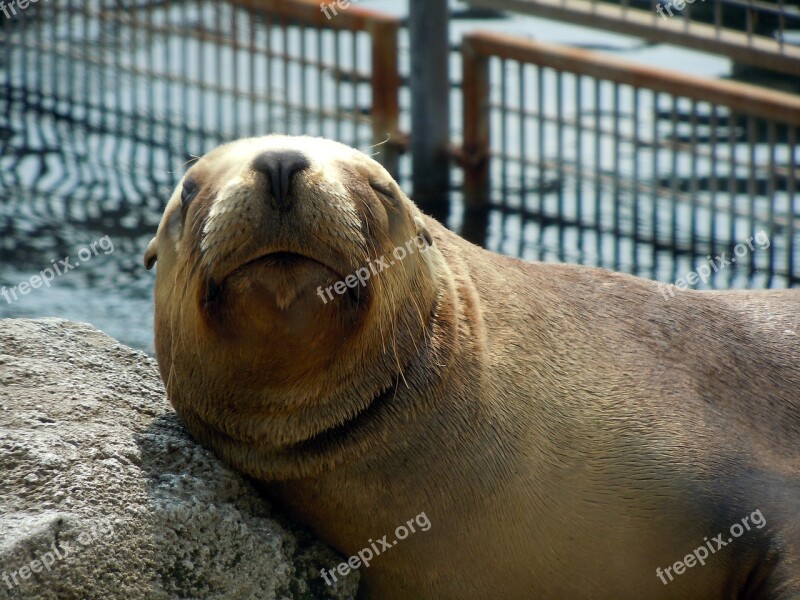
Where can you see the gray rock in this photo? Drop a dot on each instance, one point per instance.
(104, 495)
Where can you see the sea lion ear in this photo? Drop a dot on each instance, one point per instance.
(151, 254)
(422, 231)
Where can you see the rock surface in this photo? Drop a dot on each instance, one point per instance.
(104, 495)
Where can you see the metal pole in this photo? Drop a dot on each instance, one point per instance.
(430, 104)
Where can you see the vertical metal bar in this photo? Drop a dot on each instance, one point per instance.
(598, 189)
(8, 92)
(30, 74)
(504, 117)
(152, 81)
(673, 179)
(202, 96)
(321, 83)
(693, 187)
(168, 97)
(102, 77)
(269, 25)
(428, 25)
(365, 86)
(560, 164)
(635, 183)
(115, 45)
(714, 185)
(617, 200)
(752, 191)
(286, 88)
(733, 184)
(236, 93)
(337, 96)
(655, 183)
(541, 126)
(749, 22)
(252, 72)
(579, 165)
(138, 53)
(181, 93)
(523, 141)
(771, 188)
(505, 111)
(85, 35)
(792, 213)
(686, 15)
(475, 85)
(55, 69)
(47, 63)
(60, 87)
(73, 19)
(523, 151)
(219, 78)
(354, 85)
(303, 83)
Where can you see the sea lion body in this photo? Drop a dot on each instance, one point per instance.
(568, 431)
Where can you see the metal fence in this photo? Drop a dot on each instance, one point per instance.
(103, 102)
(600, 161)
(592, 160)
(751, 32)
(138, 90)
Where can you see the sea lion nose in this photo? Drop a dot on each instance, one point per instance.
(280, 166)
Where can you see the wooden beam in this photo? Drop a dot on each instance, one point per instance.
(758, 51)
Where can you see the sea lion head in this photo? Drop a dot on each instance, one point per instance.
(295, 279)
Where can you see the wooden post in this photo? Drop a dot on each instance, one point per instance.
(476, 151)
(386, 94)
(475, 86)
(428, 27)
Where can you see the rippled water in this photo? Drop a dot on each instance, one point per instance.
(60, 192)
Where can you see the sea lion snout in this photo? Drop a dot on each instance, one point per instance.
(280, 231)
(280, 166)
(271, 206)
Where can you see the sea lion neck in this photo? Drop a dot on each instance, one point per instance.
(413, 391)
(309, 437)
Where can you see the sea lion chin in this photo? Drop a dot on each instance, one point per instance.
(567, 432)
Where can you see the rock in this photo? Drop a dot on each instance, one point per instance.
(104, 495)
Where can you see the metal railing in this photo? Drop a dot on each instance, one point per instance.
(147, 85)
(751, 32)
(592, 160)
(102, 103)
(639, 170)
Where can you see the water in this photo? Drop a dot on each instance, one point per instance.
(65, 183)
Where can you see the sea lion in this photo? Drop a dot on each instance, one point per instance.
(568, 432)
